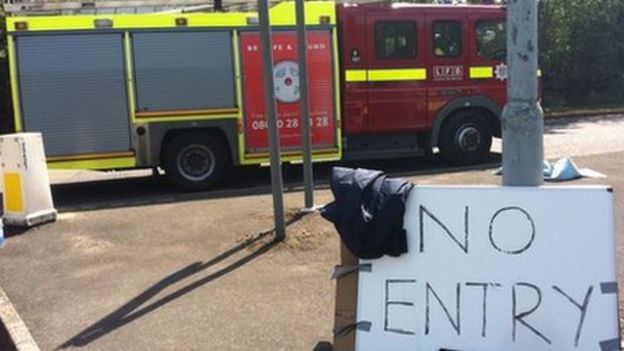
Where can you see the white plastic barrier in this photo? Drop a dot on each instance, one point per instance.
(26, 185)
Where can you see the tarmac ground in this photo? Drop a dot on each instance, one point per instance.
(198, 273)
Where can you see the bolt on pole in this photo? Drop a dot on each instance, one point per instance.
(308, 173)
(523, 119)
(271, 114)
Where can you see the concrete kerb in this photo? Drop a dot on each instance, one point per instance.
(584, 113)
(19, 333)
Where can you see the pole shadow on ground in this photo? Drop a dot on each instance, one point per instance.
(136, 307)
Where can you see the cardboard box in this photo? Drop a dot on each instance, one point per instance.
(346, 303)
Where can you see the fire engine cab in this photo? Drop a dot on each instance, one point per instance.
(183, 91)
(418, 76)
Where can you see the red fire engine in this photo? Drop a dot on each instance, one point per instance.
(184, 91)
(417, 77)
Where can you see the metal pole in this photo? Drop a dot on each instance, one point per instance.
(308, 173)
(523, 119)
(217, 6)
(271, 113)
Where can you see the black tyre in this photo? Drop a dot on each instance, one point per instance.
(465, 139)
(196, 161)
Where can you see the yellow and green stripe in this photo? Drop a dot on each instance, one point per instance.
(386, 75)
(481, 72)
(282, 14)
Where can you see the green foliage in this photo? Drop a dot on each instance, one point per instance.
(6, 113)
(582, 50)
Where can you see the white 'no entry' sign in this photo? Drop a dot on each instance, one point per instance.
(496, 269)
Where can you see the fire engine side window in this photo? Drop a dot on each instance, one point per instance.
(395, 39)
(492, 40)
(447, 39)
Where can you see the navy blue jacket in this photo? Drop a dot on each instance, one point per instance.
(368, 211)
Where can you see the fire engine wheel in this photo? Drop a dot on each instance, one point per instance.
(196, 161)
(465, 139)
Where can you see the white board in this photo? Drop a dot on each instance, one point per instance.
(496, 268)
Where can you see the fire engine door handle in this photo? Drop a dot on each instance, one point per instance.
(355, 56)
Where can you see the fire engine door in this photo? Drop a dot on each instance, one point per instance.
(449, 46)
(397, 72)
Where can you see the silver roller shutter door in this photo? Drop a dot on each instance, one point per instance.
(73, 90)
(183, 70)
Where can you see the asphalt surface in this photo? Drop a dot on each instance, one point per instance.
(148, 190)
(133, 265)
(88, 190)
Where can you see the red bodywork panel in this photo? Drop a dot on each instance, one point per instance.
(286, 75)
(386, 105)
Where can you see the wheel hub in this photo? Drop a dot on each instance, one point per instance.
(469, 139)
(196, 162)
